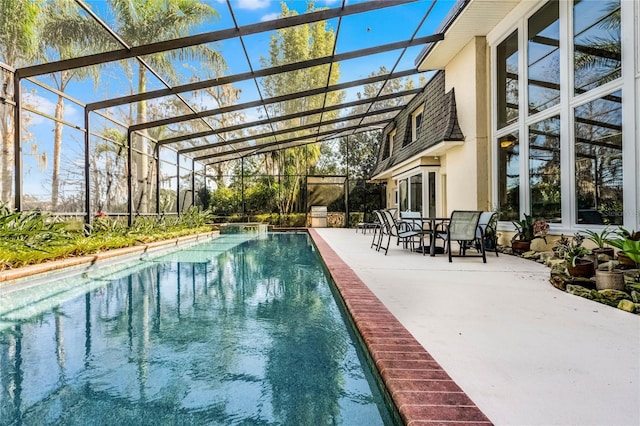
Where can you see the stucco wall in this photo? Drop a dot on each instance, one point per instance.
(468, 166)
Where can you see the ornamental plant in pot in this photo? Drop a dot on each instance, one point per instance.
(527, 230)
(600, 240)
(630, 239)
(573, 252)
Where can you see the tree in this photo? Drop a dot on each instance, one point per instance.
(146, 21)
(66, 34)
(289, 45)
(19, 45)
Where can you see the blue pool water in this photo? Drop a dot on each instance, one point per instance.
(240, 330)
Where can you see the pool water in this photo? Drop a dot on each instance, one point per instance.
(239, 330)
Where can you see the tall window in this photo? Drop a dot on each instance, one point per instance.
(598, 159)
(507, 84)
(544, 169)
(572, 123)
(597, 57)
(416, 193)
(509, 177)
(543, 51)
(416, 122)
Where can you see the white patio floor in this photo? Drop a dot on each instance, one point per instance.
(525, 352)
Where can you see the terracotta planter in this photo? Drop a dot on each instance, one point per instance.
(519, 246)
(584, 268)
(606, 250)
(610, 279)
(625, 260)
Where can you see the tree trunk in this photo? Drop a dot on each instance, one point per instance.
(57, 150)
(141, 165)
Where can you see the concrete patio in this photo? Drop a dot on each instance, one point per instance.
(523, 351)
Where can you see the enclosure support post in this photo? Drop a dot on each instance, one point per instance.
(346, 190)
(178, 181)
(193, 182)
(129, 178)
(242, 185)
(156, 154)
(87, 179)
(17, 146)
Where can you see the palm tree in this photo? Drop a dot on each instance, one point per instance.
(141, 22)
(66, 34)
(18, 45)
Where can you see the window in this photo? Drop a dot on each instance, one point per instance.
(570, 171)
(598, 159)
(543, 50)
(390, 141)
(544, 169)
(416, 193)
(416, 123)
(597, 57)
(509, 177)
(507, 85)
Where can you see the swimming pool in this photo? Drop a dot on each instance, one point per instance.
(239, 330)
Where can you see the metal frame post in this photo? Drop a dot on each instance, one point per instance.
(17, 146)
(87, 178)
(129, 178)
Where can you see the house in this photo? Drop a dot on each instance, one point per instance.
(534, 109)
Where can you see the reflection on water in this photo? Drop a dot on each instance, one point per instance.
(248, 335)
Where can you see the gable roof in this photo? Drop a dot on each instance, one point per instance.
(439, 124)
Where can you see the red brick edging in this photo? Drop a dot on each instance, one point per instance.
(421, 390)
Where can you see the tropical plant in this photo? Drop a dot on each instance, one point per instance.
(600, 239)
(141, 22)
(66, 34)
(19, 46)
(571, 250)
(287, 46)
(528, 229)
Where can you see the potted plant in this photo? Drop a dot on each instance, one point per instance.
(628, 238)
(600, 239)
(573, 252)
(527, 230)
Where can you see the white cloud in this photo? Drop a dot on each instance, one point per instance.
(46, 106)
(270, 17)
(252, 4)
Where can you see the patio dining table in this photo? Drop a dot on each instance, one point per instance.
(431, 230)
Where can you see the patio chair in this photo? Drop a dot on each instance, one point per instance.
(487, 231)
(463, 228)
(400, 230)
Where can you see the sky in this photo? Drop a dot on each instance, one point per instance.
(355, 32)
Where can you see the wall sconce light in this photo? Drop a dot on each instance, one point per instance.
(507, 143)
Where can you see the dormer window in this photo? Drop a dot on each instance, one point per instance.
(390, 140)
(416, 122)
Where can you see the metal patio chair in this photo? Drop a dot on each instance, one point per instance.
(463, 228)
(399, 229)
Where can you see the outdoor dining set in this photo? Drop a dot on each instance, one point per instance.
(473, 231)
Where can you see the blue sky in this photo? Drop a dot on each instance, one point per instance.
(356, 32)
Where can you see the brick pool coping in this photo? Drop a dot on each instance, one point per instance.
(422, 391)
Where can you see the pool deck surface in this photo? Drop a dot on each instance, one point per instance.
(495, 336)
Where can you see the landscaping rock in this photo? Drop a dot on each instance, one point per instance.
(577, 290)
(559, 268)
(635, 296)
(627, 305)
(559, 282)
(538, 245)
(614, 295)
(531, 255)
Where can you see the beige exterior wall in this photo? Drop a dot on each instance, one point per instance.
(468, 166)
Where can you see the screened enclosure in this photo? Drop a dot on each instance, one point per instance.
(133, 108)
